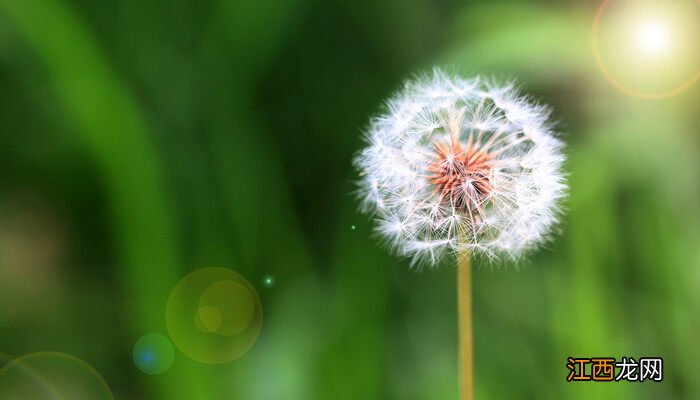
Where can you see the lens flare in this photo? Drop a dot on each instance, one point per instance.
(648, 48)
(50, 376)
(153, 354)
(653, 38)
(269, 280)
(214, 315)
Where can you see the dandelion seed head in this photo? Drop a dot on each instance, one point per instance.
(461, 164)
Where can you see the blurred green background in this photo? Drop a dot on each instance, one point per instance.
(142, 140)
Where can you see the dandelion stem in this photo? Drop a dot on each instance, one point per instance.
(466, 340)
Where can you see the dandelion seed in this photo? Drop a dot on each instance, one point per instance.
(449, 146)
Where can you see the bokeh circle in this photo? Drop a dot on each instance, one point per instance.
(214, 315)
(153, 353)
(51, 376)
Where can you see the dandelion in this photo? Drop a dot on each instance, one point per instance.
(459, 167)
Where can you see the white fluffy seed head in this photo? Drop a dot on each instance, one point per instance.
(461, 164)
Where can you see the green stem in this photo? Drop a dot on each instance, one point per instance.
(466, 336)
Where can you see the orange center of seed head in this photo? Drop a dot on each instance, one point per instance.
(461, 176)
